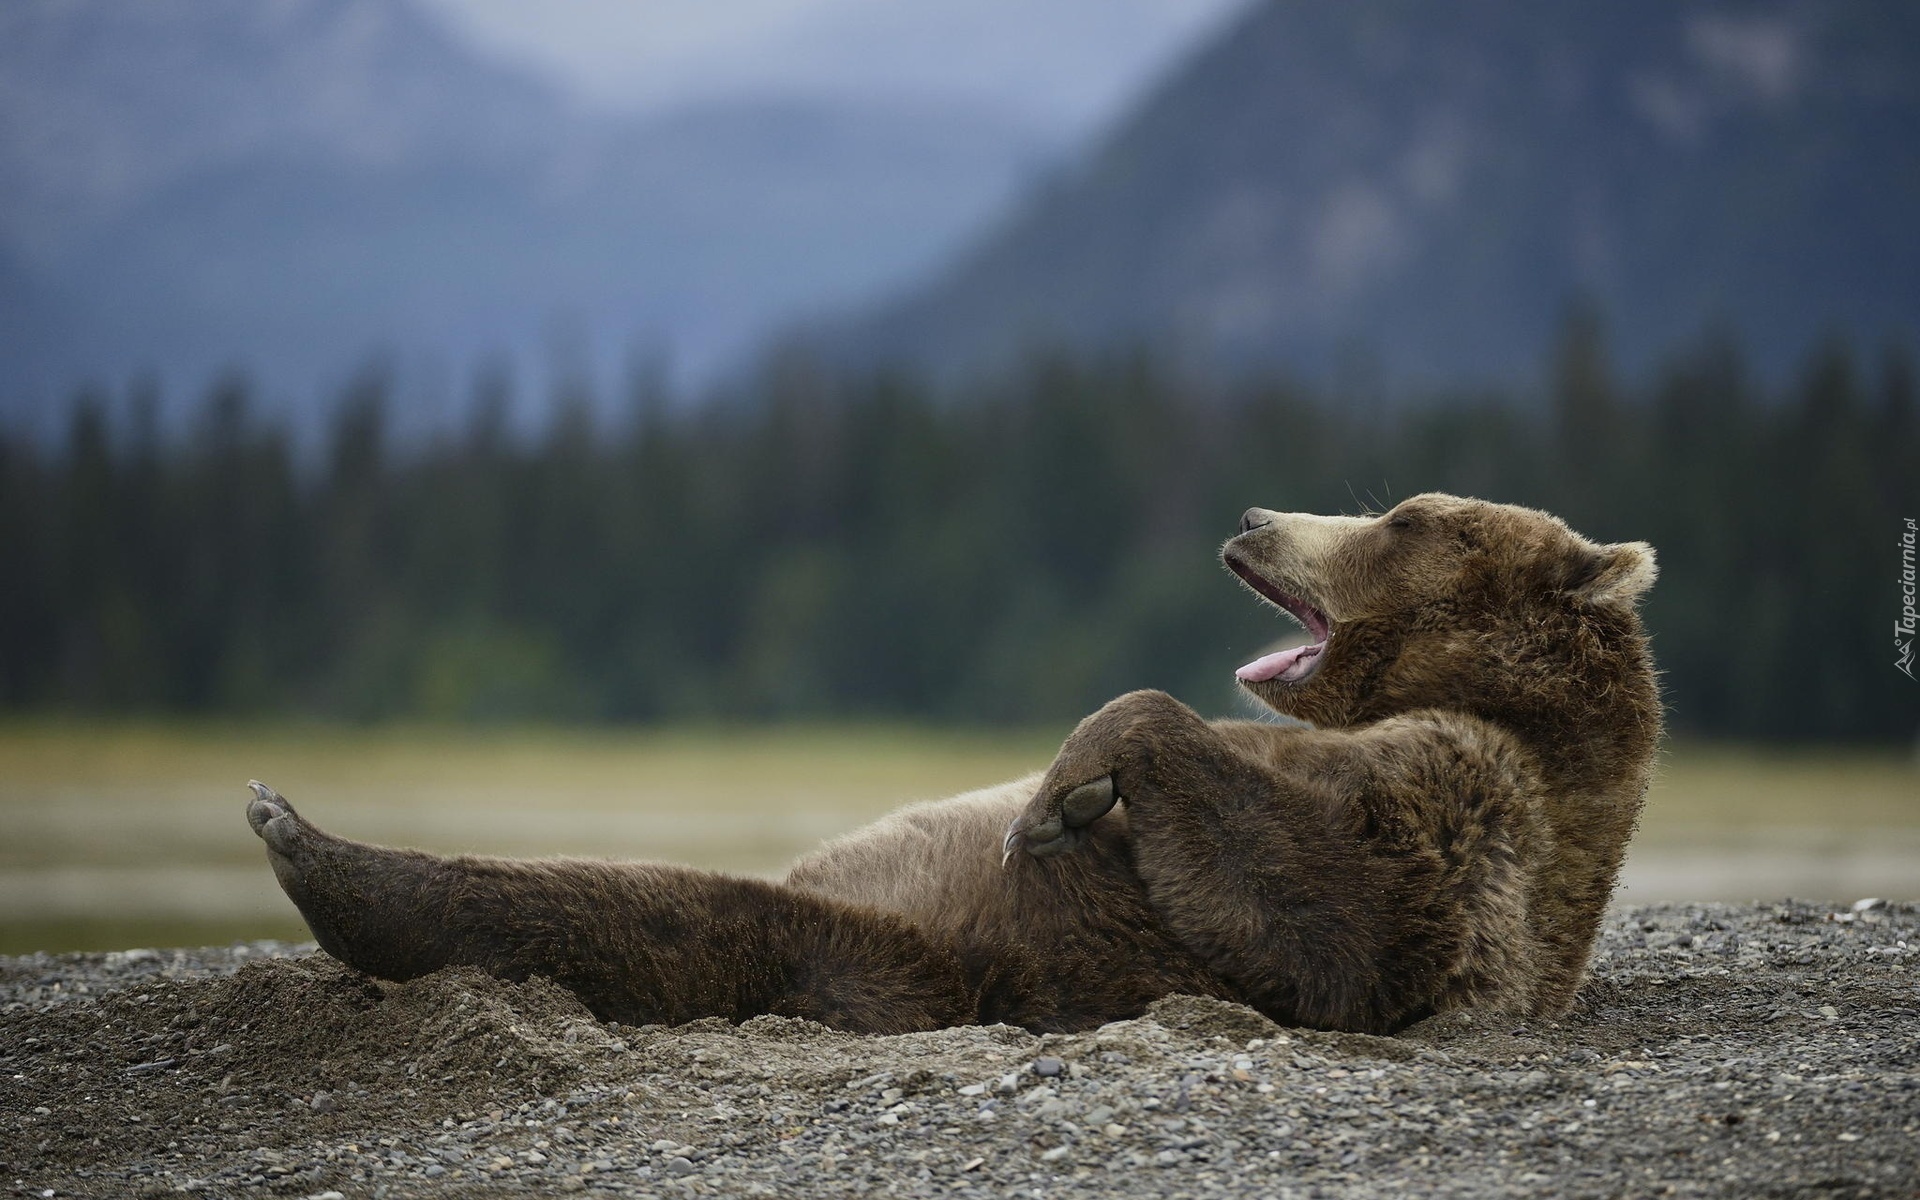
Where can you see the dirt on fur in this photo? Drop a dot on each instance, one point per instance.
(1768, 1050)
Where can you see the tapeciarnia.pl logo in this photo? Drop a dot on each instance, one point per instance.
(1904, 626)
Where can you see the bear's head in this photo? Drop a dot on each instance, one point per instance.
(1450, 603)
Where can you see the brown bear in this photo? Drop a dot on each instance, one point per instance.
(1481, 723)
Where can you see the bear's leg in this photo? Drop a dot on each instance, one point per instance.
(639, 943)
(1245, 863)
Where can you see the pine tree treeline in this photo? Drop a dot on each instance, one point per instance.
(836, 547)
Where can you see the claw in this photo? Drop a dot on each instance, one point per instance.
(266, 805)
(1010, 845)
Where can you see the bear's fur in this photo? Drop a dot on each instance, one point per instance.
(1483, 722)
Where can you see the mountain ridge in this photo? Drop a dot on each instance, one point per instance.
(1429, 190)
(293, 186)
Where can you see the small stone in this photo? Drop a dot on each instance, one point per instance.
(322, 1102)
(1829, 1012)
(1113, 1131)
(1055, 1154)
(1099, 1115)
(678, 1165)
(1870, 904)
(972, 1164)
(1048, 1067)
(1008, 1085)
(973, 1089)
(434, 1171)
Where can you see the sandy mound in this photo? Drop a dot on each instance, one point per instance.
(1717, 1050)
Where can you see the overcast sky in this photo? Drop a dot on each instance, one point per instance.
(1062, 66)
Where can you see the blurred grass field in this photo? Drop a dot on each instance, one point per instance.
(124, 834)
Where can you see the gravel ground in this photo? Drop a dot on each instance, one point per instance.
(1766, 1050)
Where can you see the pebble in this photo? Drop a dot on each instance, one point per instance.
(322, 1102)
(1047, 1068)
(678, 1165)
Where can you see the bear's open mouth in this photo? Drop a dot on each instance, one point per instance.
(1296, 662)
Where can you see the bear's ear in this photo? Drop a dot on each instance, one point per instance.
(1616, 574)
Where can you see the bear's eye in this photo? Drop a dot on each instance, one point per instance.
(1399, 521)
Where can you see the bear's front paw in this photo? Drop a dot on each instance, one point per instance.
(1055, 823)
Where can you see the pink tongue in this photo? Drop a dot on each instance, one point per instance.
(1268, 666)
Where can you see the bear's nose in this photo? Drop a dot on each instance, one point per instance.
(1254, 518)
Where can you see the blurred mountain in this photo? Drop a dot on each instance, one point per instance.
(292, 185)
(1423, 190)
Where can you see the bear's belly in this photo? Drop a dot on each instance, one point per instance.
(935, 863)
